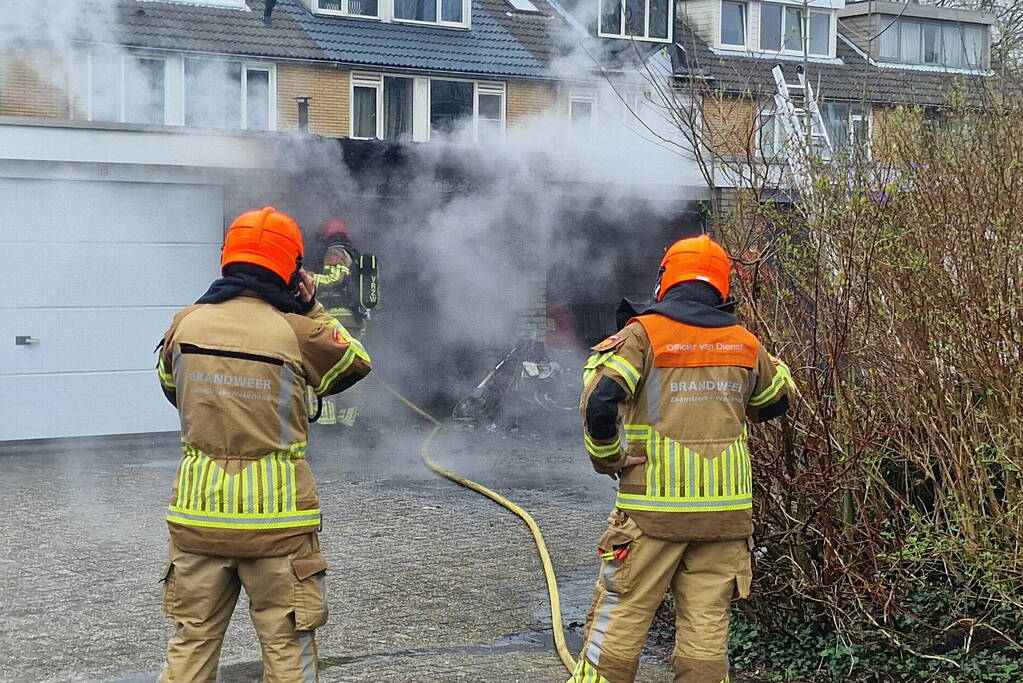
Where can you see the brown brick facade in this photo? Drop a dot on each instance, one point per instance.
(529, 98)
(32, 84)
(329, 89)
(730, 125)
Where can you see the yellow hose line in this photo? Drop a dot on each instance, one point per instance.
(541, 546)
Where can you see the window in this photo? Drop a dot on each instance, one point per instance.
(432, 11)
(450, 102)
(390, 95)
(733, 24)
(221, 94)
(144, 90)
(641, 19)
(178, 90)
(934, 43)
(489, 112)
(396, 107)
(770, 135)
(582, 110)
(352, 8)
(213, 94)
(848, 127)
(782, 29)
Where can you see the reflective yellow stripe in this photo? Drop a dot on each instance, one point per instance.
(679, 479)
(664, 504)
(600, 450)
(625, 369)
(355, 350)
(254, 498)
(782, 376)
(585, 672)
(166, 378)
(331, 274)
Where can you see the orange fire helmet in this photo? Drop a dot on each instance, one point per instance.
(266, 238)
(695, 258)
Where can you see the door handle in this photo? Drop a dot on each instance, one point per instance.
(25, 341)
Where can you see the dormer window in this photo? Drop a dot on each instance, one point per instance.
(782, 28)
(639, 19)
(348, 8)
(733, 24)
(447, 13)
(934, 43)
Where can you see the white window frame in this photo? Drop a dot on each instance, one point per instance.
(170, 98)
(583, 96)
(941, 63)
(375, 81)
(488, 88)
(421, 109)
(271, 94)
(745, 25)
(346, 11)
(464, 24)
(646, 23)
(807, 12)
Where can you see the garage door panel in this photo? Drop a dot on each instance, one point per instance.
(86, 404)
(83, 340)
(73, 275)
(86, 211)
(95, 270)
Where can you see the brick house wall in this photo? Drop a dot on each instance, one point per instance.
(329, 106)
(31, 84)
(526, 99)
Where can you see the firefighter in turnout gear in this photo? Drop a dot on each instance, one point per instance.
(678, 386)
(244, 510)
(337, 290)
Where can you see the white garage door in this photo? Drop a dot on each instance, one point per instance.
(95, 271)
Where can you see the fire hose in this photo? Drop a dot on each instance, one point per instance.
(541, 545)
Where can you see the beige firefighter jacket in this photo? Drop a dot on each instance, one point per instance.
(237, 371)
(687, 394)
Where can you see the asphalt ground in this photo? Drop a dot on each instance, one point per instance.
(428, 581)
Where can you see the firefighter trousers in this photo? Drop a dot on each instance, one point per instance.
(636, 571)
(287, 602)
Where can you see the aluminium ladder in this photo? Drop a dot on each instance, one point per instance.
(804, 132)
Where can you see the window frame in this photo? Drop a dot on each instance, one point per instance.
(464, 24)
(745, 25)
(623, 35)
(169, 96)
(923, 24)
(804, 36)
(583, 97)
(346, 11)
(375, 80)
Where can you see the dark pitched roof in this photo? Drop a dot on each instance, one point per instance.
(176, 26)
(851, 77)
(501, 42)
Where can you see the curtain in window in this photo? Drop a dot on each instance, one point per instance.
(973, 39)
(836, 118)
(365, 8)
(932, 44)
(952, 45)
(451, 10)
(398, 109)
(611, 17)
(419, 10)
(889, 40)
(910, 42)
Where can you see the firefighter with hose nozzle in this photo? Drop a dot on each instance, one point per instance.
(678, 385)
(244, 510)
(347, 288)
